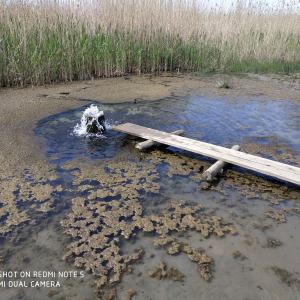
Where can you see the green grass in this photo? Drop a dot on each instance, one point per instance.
(62, 49)
(275, 66)
(76, 55)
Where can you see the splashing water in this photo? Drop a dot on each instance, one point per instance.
(90, 118)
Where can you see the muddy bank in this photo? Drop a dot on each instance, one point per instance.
(22, 108)
(32, 189)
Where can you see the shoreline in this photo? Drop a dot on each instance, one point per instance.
(39, 208)
(21, 109)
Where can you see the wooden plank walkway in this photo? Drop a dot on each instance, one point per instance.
(261, 165)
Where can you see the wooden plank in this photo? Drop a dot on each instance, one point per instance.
(252, 162)
(217, 167)
(149, 143)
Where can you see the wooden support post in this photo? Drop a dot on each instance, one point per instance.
(217, 167)
(149, 143)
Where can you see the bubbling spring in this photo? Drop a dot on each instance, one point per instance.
(92, 123)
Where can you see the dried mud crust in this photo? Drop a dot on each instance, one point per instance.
(112, 212)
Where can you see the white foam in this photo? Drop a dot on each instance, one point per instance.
(93, 112)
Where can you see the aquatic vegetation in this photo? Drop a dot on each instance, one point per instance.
(9, 213)
(273, 243)
(112, 212)
(97, 224)
(278, 216)
(65, 41)
(286, 277)
(205, 263)
(179, 164)
(253, 187)
(162, 272)
(24, 194)
(130, 294)
(239, 255)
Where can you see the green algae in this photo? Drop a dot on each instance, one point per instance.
(23, 194)
(112, 212)
(162, 272)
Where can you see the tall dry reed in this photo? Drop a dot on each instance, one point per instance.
(50, 41)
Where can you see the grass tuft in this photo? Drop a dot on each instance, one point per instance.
(50, 41)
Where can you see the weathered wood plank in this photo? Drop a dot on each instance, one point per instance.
(149, 143)
(217, 167)
(265, 166)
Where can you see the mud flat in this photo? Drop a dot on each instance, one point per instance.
(105, 208)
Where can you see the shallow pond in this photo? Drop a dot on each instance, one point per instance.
(225, 122)
(260, 260)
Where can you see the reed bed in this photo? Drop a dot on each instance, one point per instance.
(51, 41)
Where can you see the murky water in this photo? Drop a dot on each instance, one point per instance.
(219, 121)
(244, 264)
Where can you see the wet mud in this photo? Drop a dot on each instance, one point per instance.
(130, 218)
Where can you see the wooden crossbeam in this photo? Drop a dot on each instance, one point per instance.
(149, 143)
(262, 165)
